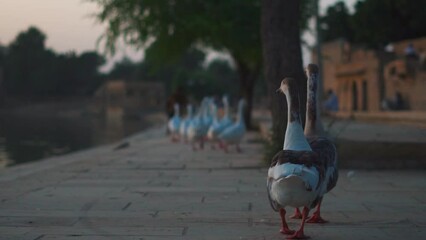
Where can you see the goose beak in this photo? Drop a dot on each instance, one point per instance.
(278, 90)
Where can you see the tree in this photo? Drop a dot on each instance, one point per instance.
(282, 57)
(375, 23)
(174, 26)
(2, 55)
(185, 71)
(2, 63)
(378, 22)
(25, 56)
(32, 70)
(337, 23)
(88, 77)
(124, 70)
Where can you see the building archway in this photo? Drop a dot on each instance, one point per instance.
(354, 97)
(364, 96)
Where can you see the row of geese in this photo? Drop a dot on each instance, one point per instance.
(306, 168)
(205, 125)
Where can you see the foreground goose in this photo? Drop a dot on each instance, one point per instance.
(217, 127)
(321, 145)
(174, 124)
(234, 133)
(295, 175)
(185, 123)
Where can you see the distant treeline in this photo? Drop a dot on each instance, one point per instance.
(31, 69)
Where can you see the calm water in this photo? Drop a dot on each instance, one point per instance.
(24, 139)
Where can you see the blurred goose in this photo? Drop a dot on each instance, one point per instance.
(235, 132)
(198, 127)
(174, 124)
(294, 177)
(217, 127)
(209, 114)
(185, 123)
(212, 114)
(322, 146)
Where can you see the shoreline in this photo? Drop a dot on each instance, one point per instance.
(95, 133)
(21, 170)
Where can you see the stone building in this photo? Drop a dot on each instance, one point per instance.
(369, 80)
(405, 79)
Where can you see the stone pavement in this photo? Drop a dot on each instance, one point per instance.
(153, 189)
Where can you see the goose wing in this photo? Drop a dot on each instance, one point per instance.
(327, 154)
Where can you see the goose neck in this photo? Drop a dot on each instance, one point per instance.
(292, 106)
(189, 111)
(294, 137)
(176, 108)
(226, 108)
(313, 124)
(240, 119)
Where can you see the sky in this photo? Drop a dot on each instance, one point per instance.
(68, 25)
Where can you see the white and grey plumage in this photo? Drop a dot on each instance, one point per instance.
(218, 126)
(174, 124)
(199, 126)
(235, 132)
(295, 175)
(184, 125)
(320, 144)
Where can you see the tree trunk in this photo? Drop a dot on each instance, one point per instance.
(282, 57)
(247, 81)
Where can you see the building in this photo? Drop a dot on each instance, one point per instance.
(370, 81)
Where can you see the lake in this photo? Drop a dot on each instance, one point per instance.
(26, 139)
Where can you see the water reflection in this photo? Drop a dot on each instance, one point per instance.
(24, 139)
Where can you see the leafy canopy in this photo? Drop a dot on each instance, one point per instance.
(173, 26)
(376, 23)
(31, 69)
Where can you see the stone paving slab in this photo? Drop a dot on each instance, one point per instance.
(154, 189)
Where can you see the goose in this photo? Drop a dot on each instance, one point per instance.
(185, 123)
(295, 175)
(174, 124)
(217, 127)
(209, 113)
(324, 147)
(235, 132)
(198, 127)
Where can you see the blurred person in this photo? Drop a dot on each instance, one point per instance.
(410, 51)
(178, 97)
(331, 104)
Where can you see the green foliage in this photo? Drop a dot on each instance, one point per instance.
(124, 70)
(186, 72)
(336, 23)
(32, 70)
(24, 59)
(376, 23)
(174, 26)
